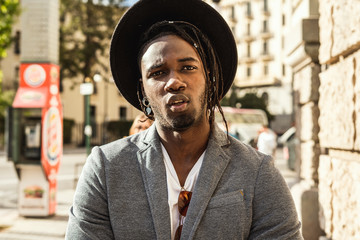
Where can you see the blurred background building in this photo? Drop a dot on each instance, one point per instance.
(302, 57)
(83, 54)
(259, 28)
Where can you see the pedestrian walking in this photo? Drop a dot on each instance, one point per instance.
(267, 141)
(183, 177)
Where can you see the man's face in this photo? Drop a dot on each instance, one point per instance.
(174, 83)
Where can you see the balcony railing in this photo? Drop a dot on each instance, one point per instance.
(248, 38)
(258, 81)
(265, 12)
(246, 59)
(266, 34)
(265, 56)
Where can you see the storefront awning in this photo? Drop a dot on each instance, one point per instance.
(30, 97)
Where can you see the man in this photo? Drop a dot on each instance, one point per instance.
(183, 177)
(141, 123)
(266, 141)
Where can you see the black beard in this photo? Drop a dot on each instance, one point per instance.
(182, 122)
(179, 123)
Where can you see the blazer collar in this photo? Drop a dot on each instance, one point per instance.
(213, 167)
(154, 176)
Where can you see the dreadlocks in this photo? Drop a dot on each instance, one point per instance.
(192, 35)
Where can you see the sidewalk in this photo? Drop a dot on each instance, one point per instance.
(15, 227)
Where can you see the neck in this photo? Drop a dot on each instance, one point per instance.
(185, 142)
(185, 147)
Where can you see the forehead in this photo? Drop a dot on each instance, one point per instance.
(168, 45)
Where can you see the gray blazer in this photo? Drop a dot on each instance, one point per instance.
(239, 194)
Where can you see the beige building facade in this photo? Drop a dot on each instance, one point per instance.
(323, 49)
(259, 26)
(339, 120)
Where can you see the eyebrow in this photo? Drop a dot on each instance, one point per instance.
(182, 60)
(188, 59)
(155, 66)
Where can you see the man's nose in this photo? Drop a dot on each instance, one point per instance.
(175, 83)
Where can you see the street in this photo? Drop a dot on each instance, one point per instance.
(69, 168)
(13, 226)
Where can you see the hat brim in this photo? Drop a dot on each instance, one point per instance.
(143, 14)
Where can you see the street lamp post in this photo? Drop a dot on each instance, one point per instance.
(98, 78)
(105, 113)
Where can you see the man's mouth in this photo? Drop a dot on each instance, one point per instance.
(178, 103)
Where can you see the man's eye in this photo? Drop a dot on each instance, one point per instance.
(189, 67)
(156, 74)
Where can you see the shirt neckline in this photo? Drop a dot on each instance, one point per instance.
(194, 170)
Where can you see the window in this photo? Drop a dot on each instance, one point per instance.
(265, 26)
(17, 76)
(17, 43)
(122, 113)
(283, 70)
(233, 12)
(17, 72)
(283, 20)
(265, 48)
(95, 87)
(248, 50)
(248, 29)
(248, 71)
(266, 6)
(266, 69)
(248, 9)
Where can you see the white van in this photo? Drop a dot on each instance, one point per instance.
(244, 124)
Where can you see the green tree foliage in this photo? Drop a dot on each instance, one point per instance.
(249, 100)
(6, 99)
(9, 10)
(85, 33)
(232, 100)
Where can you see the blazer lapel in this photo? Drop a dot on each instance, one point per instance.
(154, 176)
(212, 168)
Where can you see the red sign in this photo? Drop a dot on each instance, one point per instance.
(39, 88)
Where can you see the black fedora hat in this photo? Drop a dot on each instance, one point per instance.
(125, 40)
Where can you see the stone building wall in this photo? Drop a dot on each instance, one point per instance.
(302, 48)
(339, 120)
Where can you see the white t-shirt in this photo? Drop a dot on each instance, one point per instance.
(174, 187)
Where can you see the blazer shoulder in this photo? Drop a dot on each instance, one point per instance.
(122, 147)
(246, 155)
